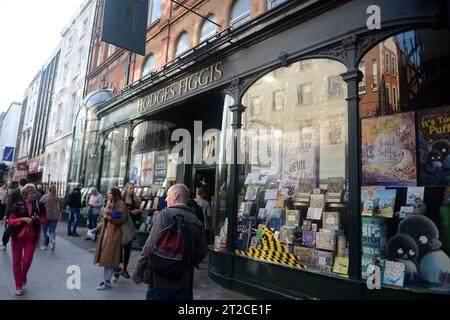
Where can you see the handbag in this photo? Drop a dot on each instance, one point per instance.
(128, 231)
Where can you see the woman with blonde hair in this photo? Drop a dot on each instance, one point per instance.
(109, 246)
(52, 208)
(24, 226)
(132, 203)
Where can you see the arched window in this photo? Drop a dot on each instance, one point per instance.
(240, 13)
(182, 44)
(149, 65)
(208, 29)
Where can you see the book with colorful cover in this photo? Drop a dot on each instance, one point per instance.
(324, 261)
(262, 214)
(279, 202)
(270, 205)
(243, 234)
(433, 145)
(406, 211)
(292, 217)
(341, 265)
(326, 240)
(307, 225)
(368, 208)
(335, 184)
(333, 197)
(251, 193)
(368, 193)
(309, 239)
(414, 193)
(275, 223)
(374, 236)
(260, 231)
(446, 199)
(366, 261)
(393, 273)
(331, 220)
(287, 234)
(388, 149)
(271, 194)
(385, 201)
(317, 201)
(305, 255)
(305, 186)
(302, 197)
(252, 178)
(314, 213)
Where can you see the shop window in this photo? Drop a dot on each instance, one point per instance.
(240, 13)
(293, 199)
(405, 161)
(149, 65)
(182, 44)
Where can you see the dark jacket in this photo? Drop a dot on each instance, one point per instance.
(142, 271)
(16, 196)
(197, 210)
(74, 200)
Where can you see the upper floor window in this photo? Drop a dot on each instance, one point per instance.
(83, 28)
(362, 83)
(240, 13)
(182, 44)
(99, 54)
(393, 66)
(274, 3)
(208, 28)
(386, 62)
(154, 11)
(149, 65)
(374, 75)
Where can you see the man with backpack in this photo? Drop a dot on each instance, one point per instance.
(175, 245)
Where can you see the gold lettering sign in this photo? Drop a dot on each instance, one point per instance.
(193, 82)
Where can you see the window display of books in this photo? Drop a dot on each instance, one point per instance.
(304, 215)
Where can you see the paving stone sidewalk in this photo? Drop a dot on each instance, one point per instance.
(48, 275)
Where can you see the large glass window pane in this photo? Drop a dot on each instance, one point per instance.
(182, 44)
(405, 143)
(208, 29)
(149, 65)
(293, 200)
(154, 11)
(240, 13)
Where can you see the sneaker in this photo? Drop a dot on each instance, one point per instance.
(19, 292)
(44, 247)
(125, 274)
(52, 245)
(104, 285)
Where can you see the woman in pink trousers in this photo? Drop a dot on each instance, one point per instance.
(25, 222)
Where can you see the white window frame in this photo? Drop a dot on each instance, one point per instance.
(374, 83)
(394, 65)
(301, 94)
(181, 51)
(270, 5)
(386, 62)
(238, 21)
(151, 8)
(144, 74)
(362, 83)
(212, 33)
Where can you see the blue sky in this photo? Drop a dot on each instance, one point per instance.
(30, 30)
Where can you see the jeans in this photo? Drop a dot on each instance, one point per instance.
(92, 220)
(74, 217)
(108, 273)
(169, 294)
(49, 226)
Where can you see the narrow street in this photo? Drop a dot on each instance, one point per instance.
(48, 275)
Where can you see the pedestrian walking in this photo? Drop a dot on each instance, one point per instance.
(95, 204)
(39, 192)
(109, 247)
(203, 202)
(135, 214)
(24, 226)
(14, 197)
(52, 202)
(5, 192)
(74, 204)
(175, 286)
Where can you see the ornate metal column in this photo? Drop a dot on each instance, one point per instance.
(129, 148)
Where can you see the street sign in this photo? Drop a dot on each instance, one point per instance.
(125, 24)
(8, 154)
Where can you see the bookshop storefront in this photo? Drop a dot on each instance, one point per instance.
(330, 157)
(342, 170)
